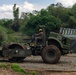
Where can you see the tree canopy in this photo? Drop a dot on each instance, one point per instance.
(53, 17)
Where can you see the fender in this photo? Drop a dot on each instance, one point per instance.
(5, 47)
(53, 38)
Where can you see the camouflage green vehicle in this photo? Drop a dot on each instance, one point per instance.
(50, 48)
(70, 33)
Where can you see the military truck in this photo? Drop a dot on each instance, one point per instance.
(70, 32)
(50, 48)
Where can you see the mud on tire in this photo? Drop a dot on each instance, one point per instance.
(51, 54)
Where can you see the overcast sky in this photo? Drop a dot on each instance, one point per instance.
(28, 5)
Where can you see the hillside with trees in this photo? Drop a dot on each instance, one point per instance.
(53, 17)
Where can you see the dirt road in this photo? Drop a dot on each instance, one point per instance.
(66, 65)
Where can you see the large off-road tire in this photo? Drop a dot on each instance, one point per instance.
(51, 54)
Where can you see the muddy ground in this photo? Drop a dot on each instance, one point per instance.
(66, 66)
(66, 63)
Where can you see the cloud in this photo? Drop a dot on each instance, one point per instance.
(67, 3)
(27, 6)
(6, 10)
(5, 7)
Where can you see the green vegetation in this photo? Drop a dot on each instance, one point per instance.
(34, 73)
(53, 17)
(15, 25)
(4, 66)
(3, 35)
(51, 22)
(6, 35)
(17, 68)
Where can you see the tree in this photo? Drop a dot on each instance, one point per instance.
(53, 17)
(73, 10)
(15, 25)
(72, 22)
(43, 18)
(7, 23)
(72, 17)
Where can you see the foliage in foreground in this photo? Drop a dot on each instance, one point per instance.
(17, 68)
(6, 36)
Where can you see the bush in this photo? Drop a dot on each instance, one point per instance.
(3, 35)
(6, 36)
(17, 68)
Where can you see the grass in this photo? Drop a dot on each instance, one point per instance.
(17, 68)
(34, 73)
(4, 66)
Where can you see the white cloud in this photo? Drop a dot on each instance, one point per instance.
(28, 6)
(39, 7)
(6, 10)
(5, 15)
(67, 3)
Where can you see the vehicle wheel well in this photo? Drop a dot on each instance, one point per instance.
(54, 42)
